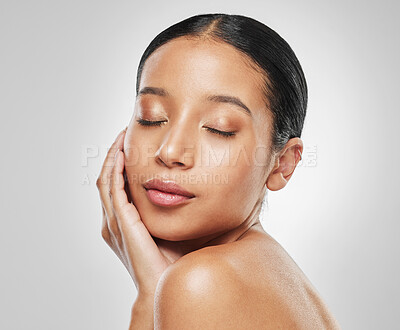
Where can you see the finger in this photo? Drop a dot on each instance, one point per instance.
(112, 221)
(119, 198)
(103, 182)
(103, 179)
(135, 235)
(104, 187)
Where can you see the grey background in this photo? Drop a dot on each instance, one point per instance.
(67, 78)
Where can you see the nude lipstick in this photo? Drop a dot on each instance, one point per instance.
(166, 193)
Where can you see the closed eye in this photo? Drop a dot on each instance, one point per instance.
(222, 133)
(144, 122)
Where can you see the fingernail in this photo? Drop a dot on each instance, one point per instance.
(116, 154)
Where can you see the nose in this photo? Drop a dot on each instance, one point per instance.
(177, 148)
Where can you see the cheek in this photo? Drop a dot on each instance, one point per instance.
(237, 183)
(139, 150)
(240, 190)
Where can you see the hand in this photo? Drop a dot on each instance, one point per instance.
(123, 229)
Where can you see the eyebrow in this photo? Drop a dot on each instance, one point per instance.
(213, 98)
(229, 99)
(153, 91)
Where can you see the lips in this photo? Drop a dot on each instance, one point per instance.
(167, 187)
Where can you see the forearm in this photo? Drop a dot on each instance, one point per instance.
(142, 315)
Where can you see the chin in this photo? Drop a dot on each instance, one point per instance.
(171, 230)
(165, 231)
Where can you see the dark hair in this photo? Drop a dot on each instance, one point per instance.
(285, 88)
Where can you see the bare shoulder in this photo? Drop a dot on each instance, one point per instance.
(199, 291)
(248, 284)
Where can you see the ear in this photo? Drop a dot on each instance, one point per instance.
(285, 164)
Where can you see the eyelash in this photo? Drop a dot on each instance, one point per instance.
(222, 133)
(150, 123)
(158, 123)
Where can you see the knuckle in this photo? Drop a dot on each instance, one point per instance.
(102, 181)
(113, 190)
(105, 234)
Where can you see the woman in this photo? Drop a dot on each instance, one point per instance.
(220, 106)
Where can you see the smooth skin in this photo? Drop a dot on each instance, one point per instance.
(207, 264)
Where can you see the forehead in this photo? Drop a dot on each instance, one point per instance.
(190, 68)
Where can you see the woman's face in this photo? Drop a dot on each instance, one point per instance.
(185, 85)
